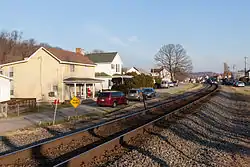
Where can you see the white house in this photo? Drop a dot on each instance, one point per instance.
(162, 73)
(5, 84)
(138, 71)
(107, 65)
(133, 69)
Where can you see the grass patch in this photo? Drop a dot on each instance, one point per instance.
(87, 116)
(242, 90)
(40, 108)
(182, 90)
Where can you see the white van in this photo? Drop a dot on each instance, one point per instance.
(164, 84)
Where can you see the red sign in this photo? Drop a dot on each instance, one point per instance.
(56, 101)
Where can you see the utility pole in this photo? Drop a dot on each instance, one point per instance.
(245, 65)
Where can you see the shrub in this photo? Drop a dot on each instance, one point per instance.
(138, 81)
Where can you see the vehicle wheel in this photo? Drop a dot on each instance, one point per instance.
(114, 104)
(127, 102)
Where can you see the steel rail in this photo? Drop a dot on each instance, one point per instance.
(121, 138)
(42, 143)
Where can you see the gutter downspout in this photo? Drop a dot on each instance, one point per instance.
(62, 85)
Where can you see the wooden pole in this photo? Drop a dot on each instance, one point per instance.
(17, 107)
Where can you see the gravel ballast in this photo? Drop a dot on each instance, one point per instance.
(215, 134)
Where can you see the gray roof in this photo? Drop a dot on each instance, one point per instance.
(102, 57)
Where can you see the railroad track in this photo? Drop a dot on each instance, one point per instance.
(82, 146)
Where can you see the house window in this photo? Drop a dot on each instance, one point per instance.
(112, 66)
(55, 88)
(117, 68)
(11, 88)
(72, 68)
(11, 72)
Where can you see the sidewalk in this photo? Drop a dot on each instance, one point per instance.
(12, 124)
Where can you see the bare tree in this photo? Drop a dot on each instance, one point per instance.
(13, 47)
(174, 59)
(8, 42)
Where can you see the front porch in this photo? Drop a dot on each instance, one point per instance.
(82, 88)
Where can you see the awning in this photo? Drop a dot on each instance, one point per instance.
(73, 80)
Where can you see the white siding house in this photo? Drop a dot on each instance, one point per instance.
(133, 69)
(107, 63)
(4, 88)
(162, 73)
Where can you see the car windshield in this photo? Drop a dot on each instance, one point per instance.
(133, 91)
(104, 94)
(147, 90)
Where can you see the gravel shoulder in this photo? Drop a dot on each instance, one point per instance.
(217, 133)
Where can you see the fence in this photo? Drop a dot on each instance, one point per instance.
(16, 106)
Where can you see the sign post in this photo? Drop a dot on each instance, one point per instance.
(56, 103)
(75, 102)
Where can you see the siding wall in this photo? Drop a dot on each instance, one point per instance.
(37, 77)
(4, 89)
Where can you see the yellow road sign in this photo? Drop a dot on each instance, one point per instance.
(75, 102)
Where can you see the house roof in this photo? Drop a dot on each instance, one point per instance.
(69, 56)
(63, 56)
(156, 70)
(102, 57)
(135, 69)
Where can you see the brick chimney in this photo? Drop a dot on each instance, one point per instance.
(80, 51)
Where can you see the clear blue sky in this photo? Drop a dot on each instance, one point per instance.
(212, 31)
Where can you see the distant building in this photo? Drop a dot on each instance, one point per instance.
(162, 73)
(138, 71)
(133, 69)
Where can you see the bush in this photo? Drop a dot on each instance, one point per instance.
(123, 88)
(138, 81)
(158, 80)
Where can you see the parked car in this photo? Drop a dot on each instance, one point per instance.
(240, 84)
(176, 83)
(164, 84)
(111, 98)
(135, 94)
(171, 84)
(149, 92)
